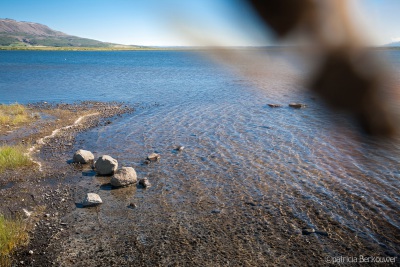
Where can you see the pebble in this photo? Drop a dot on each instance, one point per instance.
(144, 182)
(297, 105)
(274, 105)
(307, 231)
(153, 157)
(132, 205)
(180, 148)
(30, 252)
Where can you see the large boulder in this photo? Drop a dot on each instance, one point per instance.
(83, 156)
(106, 165)
(124, 177)
(91, 199)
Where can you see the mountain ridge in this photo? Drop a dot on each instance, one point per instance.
(15, 33)
(394, 44)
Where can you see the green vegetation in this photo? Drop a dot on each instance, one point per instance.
(13, 157)
(24, 39)
(12, 234)
(73, 48)
(14, 114)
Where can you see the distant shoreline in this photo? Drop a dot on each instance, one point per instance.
(52, 48)
(155, 48)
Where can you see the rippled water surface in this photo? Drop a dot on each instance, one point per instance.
(280, 168)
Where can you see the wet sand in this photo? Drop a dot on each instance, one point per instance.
(178, 221)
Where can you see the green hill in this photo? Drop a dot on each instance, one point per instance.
(28, 34)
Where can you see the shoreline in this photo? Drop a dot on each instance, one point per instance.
(46, 188)
(174, 48)
(177, 221)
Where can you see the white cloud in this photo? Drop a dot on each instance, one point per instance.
(396, 39)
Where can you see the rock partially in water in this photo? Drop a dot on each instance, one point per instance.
(179, 148)
(106, 165)
(144, 182)
(307, 231)
(274, 105)
(124, 177)
(297, 105)
(83, 156)
(91, 199)
(153, 157)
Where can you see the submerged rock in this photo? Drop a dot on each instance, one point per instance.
(144, 182)
(153, 157)
(297, 105)
(274, 105)
(106, 165)
(83, 156)
(179, 148)
(307, 231)
(124, 177)
(91, 199)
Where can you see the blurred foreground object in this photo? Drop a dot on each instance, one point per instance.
(349, 77)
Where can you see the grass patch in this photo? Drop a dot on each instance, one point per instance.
(13, 157)
(13, 233)
(14, 114)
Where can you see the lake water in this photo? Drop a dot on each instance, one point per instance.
(293, 168)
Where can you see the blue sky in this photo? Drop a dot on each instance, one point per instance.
(162, 22)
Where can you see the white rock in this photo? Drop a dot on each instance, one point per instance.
(83, 156)
(91, 199)
(106, 165)
(153, 157)
(123, 177)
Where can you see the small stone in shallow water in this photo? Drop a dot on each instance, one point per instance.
(132, 205)
(124, 177)
(179, 148)
(307, 231)
(153, 157)
(144, 182)
(216, 211)
(274, 105)
(91, 199)
(83, 156)
(297, 105)
(106, 165)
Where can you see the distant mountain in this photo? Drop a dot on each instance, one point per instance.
(395, 44)
(21, 33)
